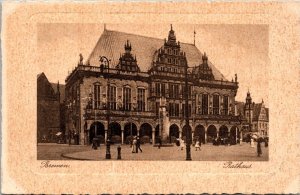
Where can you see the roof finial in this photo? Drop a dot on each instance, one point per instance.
(104, 27)
(58, 87)
(194, 37)
(80, 59)
(204, 58)
(171, 27)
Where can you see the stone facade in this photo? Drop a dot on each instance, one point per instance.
(48, 109)
(141, 92)
(255, 116)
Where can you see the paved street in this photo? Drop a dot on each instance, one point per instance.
(54, 151)
(208, 153)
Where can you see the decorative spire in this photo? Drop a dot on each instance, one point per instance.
(80, 59)
(104, 27)
(127, 47)
(248, 99)
(171, 37)
(194, 37)
(204, 58)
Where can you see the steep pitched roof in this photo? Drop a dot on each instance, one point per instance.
(256, 111)
(61, 90)
(240, 108)
(111, 45)
(44, 87)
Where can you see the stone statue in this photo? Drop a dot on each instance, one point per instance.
(80, 59)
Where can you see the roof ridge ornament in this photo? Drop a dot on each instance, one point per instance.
(204, 58)
(127, 46)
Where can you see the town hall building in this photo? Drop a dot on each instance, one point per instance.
(134, 85)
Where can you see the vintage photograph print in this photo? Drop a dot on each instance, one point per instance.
(153, 92)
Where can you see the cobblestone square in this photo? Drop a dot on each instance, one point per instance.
(208, 152)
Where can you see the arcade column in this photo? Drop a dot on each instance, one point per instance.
(192, 136)
(153, 136)
(105, 136)
(122, 135)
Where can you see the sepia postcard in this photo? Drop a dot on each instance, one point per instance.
(157, 97)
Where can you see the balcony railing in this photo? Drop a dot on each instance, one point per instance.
(90, 113)
(111, 71)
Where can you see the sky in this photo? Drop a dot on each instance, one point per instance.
(240, 49)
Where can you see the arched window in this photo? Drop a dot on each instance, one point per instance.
(216, 105)
(141, 99)
(97, 96)
(112, 98)
(225, 105)
(204, 104)
(127, 98)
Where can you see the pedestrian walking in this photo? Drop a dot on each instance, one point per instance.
(134, 145)
(181, 143)
(94, 144)
(197, 145)
(138, 145)
(252, 143)
(159, 142)
(259, 152)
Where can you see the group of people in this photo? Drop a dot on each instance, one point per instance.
(181, 144)
(223, 141)
(136, 145)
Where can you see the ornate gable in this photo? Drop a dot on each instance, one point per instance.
(126, 61)
(169, 58)
(203, 71)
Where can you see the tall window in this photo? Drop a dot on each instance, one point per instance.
(77, 96)
(112, 98)
(225, 105)
(183, 91)
(141, 100)
(189, 110)
(127, 98)
(216, 104)
(173, 109)
(157, 108)
(174, 91)
(190, 91)
(158, 89)
(97, 96)
(163, 89)
(171, 91)
(204, 104)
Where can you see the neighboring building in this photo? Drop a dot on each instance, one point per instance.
(254, 117)
(144, 91)
(49, 98)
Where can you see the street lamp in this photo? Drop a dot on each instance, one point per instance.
(105, 64)
(187, 127)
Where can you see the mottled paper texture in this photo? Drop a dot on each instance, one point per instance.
(22, 61)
